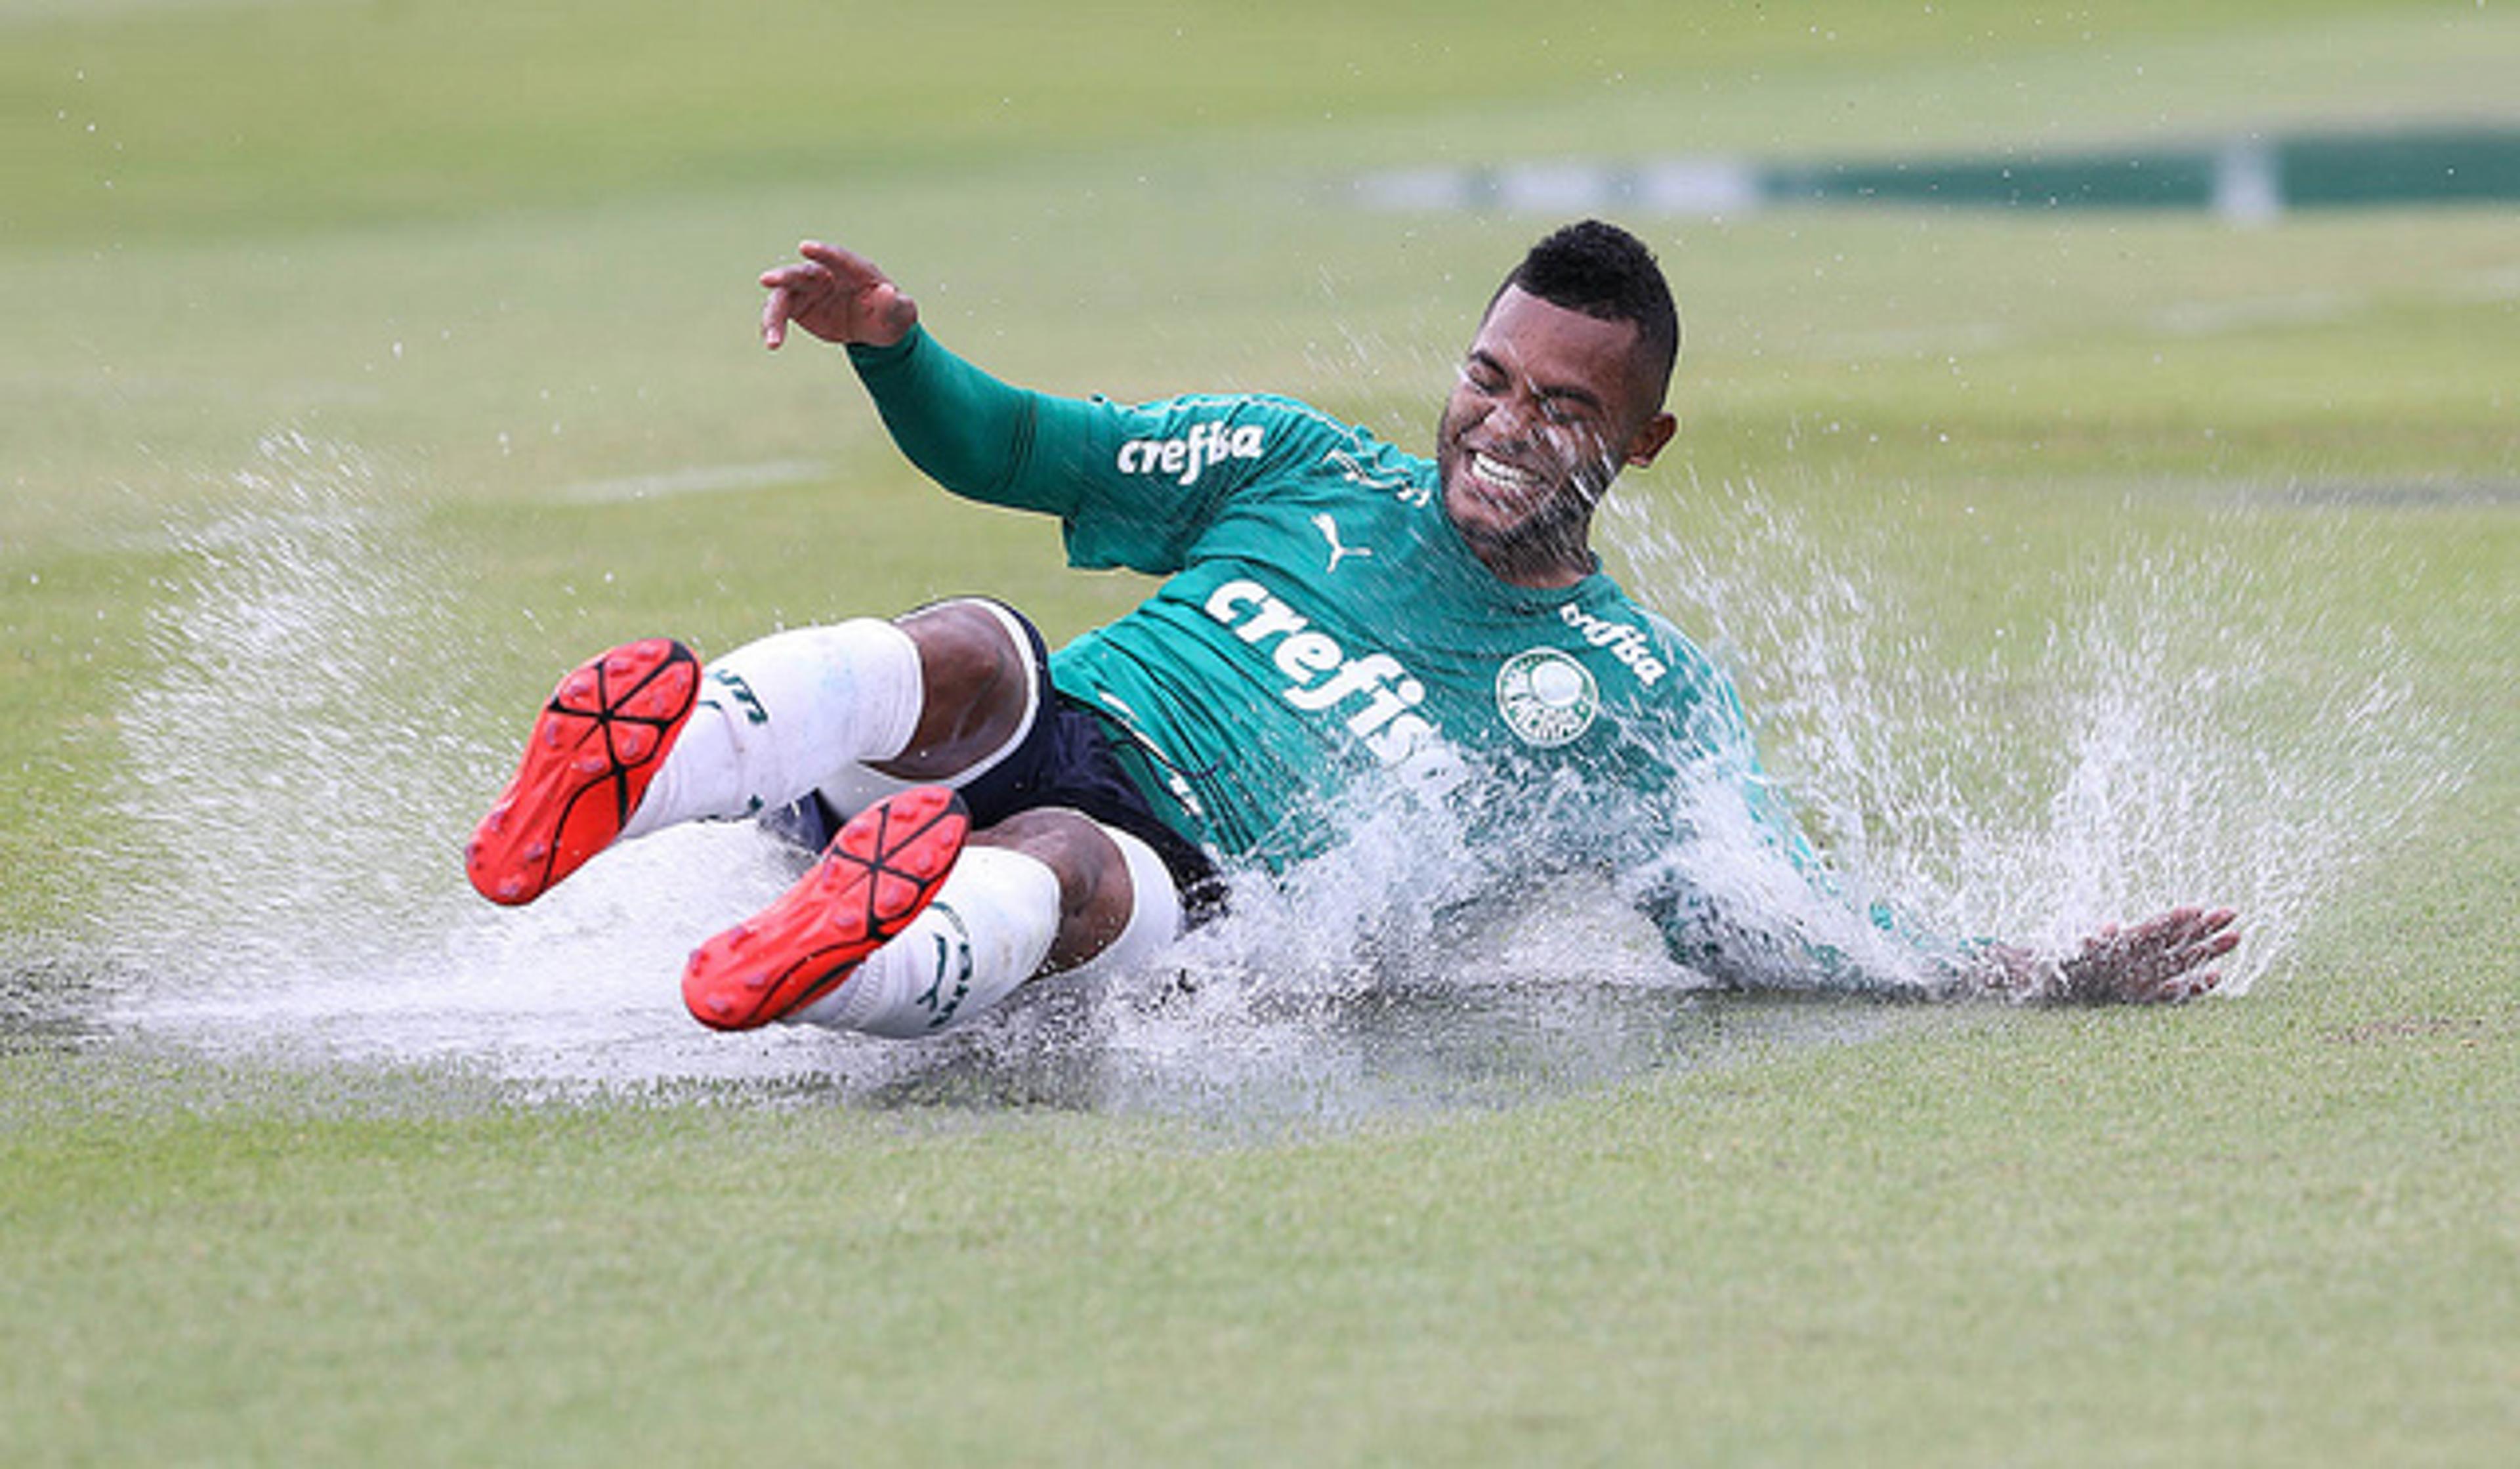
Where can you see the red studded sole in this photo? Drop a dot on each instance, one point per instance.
(879, 872)
(593, 752)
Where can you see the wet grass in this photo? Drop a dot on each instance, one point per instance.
(2280, 1227)
(2277, 1230)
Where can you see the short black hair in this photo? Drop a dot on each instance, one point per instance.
(1604, 272)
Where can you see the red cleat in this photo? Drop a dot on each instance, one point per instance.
(593, 751)
(880, 872)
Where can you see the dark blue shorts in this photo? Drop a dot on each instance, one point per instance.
(1064, 760)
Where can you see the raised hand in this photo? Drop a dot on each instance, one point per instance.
(837, 296)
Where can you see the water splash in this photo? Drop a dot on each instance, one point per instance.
(303, 776)
(302, 779)
(2199, 722)
(287, 778)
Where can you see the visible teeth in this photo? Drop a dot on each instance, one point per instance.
(1503, 475)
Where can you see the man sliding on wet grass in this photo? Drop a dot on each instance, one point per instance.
(1345, 629)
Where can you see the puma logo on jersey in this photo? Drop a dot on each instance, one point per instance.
(1192, 454)
(1329, 528)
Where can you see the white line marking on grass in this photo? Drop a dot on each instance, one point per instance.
(701, 480)
(2188, 318)
(1912, 342)
(2206, 318)
(30, 11)
(2492, 285)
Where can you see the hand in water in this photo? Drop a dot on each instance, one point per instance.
(2161, 960)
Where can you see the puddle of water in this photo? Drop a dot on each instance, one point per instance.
(289, 854)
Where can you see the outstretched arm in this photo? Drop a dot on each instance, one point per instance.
(974, 435)
(989, 441)
(1719, 915)
(2165, 959)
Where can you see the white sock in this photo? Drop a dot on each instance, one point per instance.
(778, 717)
(853, 788)
(1154, 913)
(987, 932)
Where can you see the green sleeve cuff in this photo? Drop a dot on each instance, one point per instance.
(864, 356)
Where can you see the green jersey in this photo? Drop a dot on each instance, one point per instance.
(1324, 640)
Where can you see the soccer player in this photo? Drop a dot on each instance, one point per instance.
(1346, 632)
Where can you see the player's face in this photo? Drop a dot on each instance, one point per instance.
(1546, 409)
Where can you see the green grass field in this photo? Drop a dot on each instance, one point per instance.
(486, 275)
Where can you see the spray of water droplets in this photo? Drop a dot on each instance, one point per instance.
(306, 760)
(2196, 722)
(279, 763)
(310, 748)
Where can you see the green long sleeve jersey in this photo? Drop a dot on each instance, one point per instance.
(1325, 646)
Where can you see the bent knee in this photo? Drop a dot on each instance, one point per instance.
(1097, 889)
(977, 674)
(1071, 842)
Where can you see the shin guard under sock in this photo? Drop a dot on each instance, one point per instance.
(780, 716)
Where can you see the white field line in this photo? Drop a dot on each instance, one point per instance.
(2489, 286)
(29, 12)
(2192, 318)
(1914, 341)
(2213, 318)
(700, 480)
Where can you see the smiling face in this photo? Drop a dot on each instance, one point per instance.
(1550, 405)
